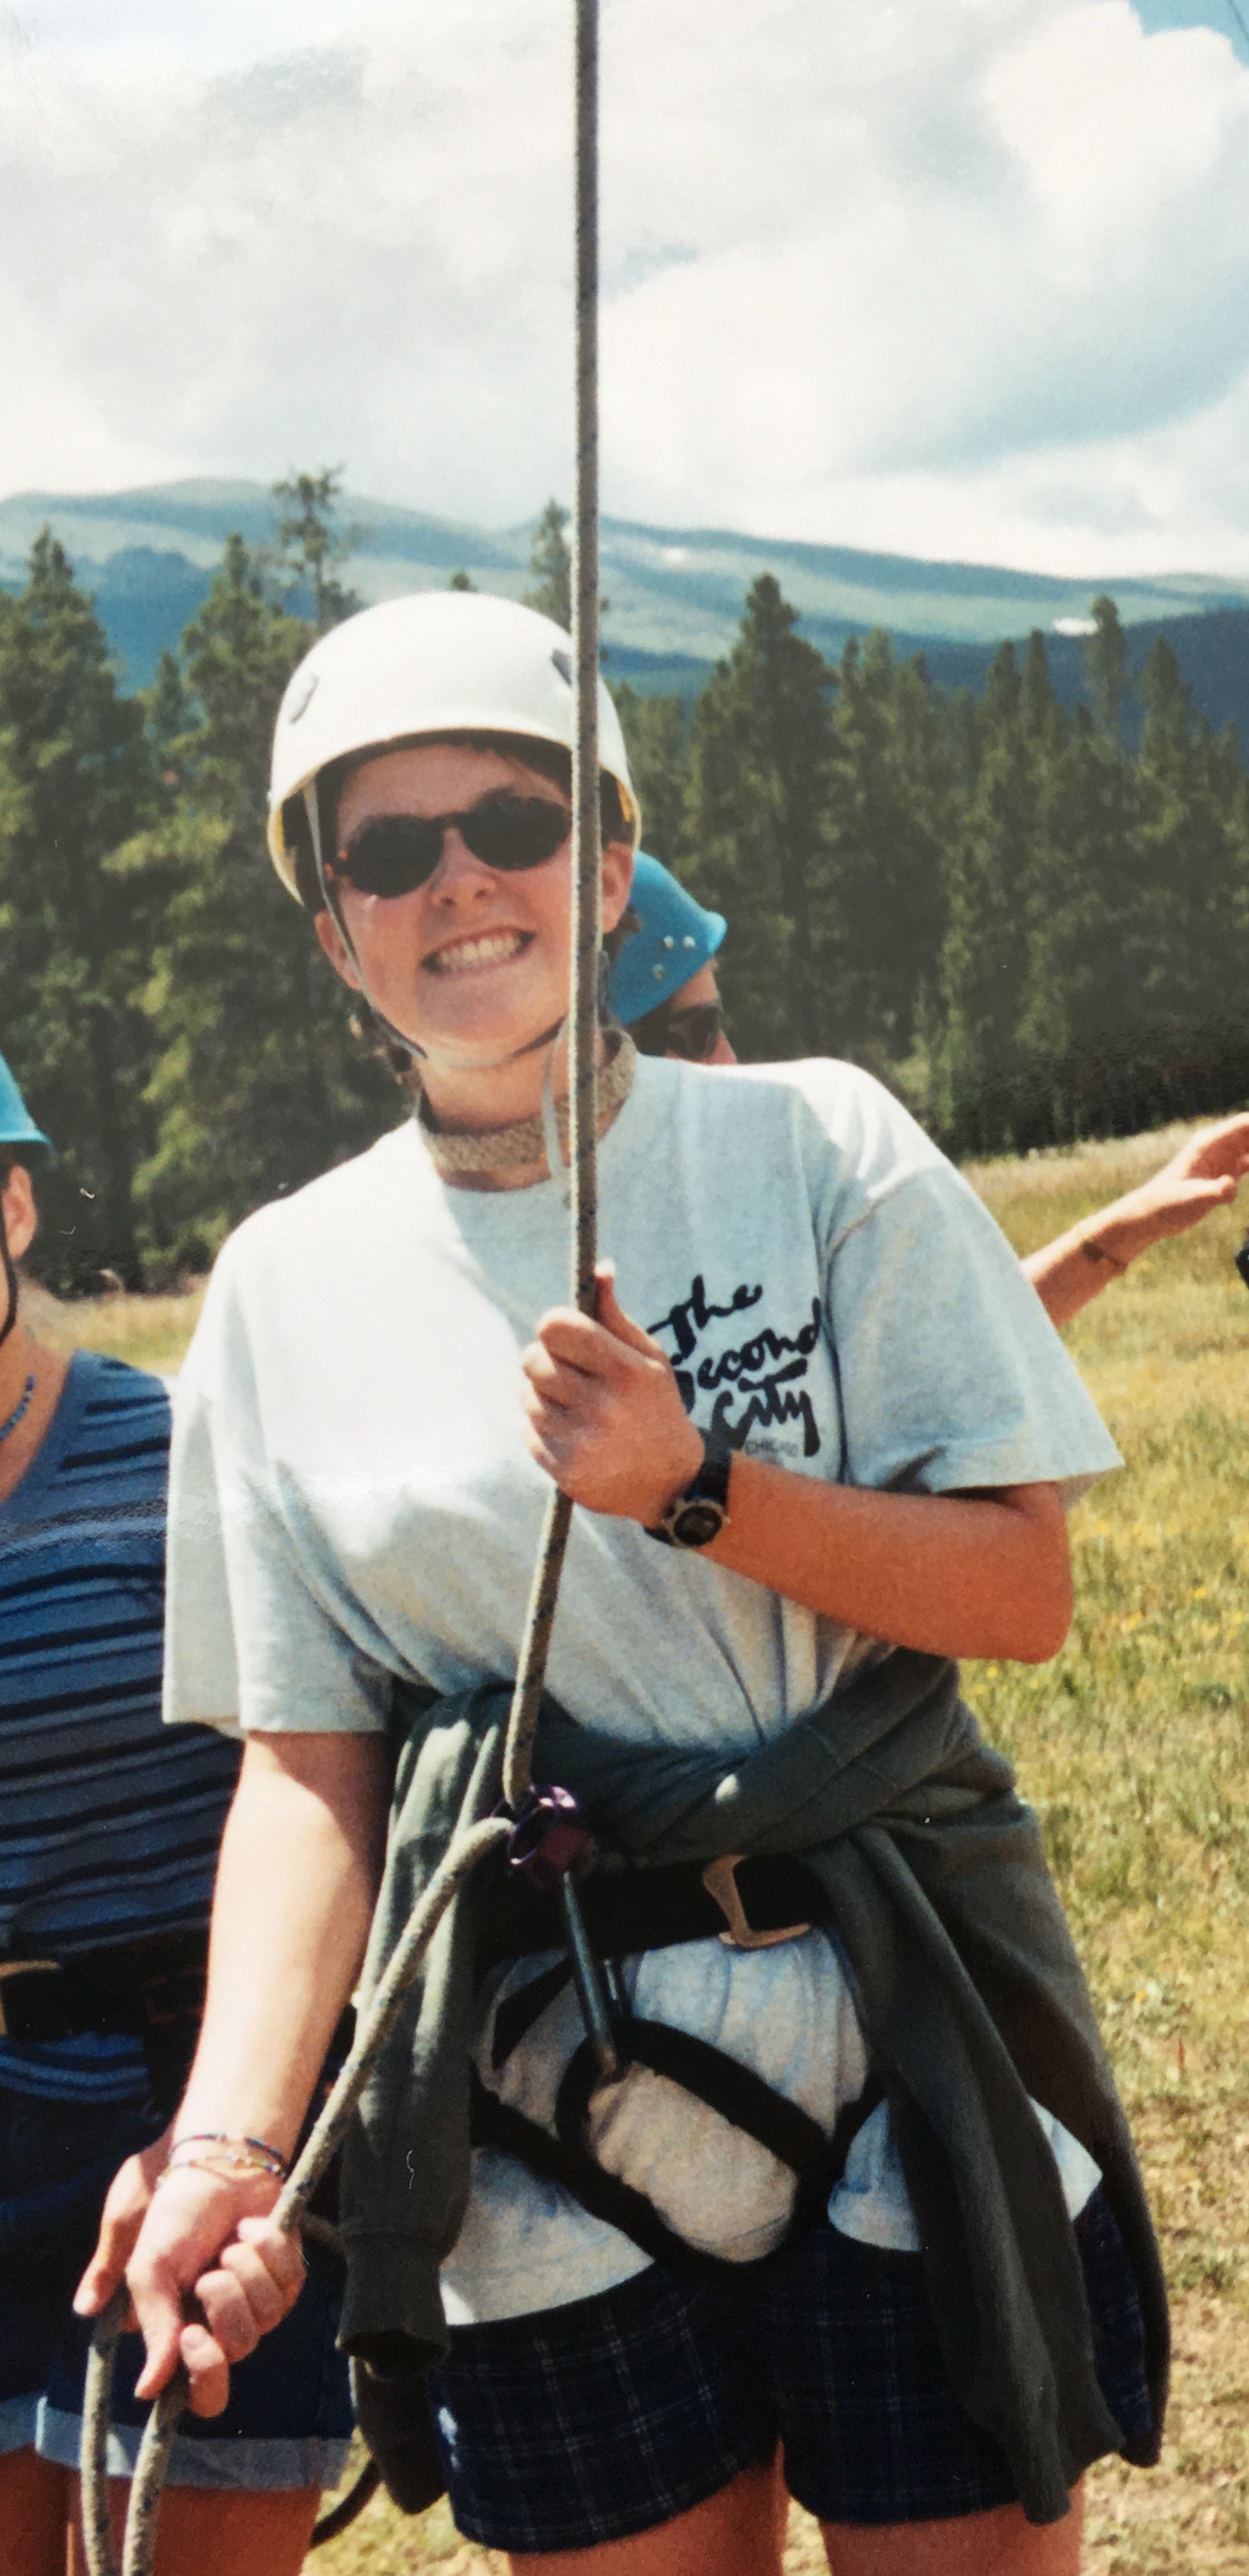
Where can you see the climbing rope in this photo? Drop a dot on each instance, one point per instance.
(471, 1847)
(587, 916)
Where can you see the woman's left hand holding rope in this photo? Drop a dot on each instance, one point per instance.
(604, 1411)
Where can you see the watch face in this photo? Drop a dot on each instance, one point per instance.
(696, 1524)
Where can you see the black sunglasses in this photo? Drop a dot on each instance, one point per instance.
(393, 854)
(693, 1032)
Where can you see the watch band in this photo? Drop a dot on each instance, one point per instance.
(700, 1511)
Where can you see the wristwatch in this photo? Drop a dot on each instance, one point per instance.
(701, 1510)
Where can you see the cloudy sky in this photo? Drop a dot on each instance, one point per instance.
(947, 277)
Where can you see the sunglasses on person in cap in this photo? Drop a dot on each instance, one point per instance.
(393, 854)
(693, 1031)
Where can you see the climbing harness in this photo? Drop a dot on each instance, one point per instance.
(539, 1819)
(620, 1915)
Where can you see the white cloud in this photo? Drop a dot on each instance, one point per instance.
(1039, 239)
(952, 276)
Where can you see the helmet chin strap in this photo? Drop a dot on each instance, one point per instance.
(10, 1279)
(312, 808)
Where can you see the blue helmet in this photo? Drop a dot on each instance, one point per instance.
(17, 1127)
(676, 937)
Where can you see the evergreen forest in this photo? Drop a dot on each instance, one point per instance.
(1033, 925)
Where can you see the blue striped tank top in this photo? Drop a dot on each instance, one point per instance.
(109, 1821)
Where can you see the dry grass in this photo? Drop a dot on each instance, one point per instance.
(1133, 1746)
(150, 1332)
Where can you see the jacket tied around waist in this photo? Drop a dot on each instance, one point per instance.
(933, 1877)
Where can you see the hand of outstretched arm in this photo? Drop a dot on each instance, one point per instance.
(1205, 1174)
(300, 1863)
(951, 1574)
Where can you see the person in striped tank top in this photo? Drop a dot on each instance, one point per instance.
(109, 1831)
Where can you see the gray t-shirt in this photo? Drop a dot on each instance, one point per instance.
(352, 1499)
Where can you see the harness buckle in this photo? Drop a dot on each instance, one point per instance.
(720, 1881)
(19, 1968)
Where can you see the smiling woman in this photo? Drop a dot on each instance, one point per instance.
(819, 1434)
(468, 956)
(437, 869)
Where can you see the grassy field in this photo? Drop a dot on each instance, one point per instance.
(1133, 1746)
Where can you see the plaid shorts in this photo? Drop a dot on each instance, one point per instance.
(585, 2424)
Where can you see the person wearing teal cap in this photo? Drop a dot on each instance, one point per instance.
(109, 1829)
(17, 1127)
(663, 983)
(671, 944)
(22, 1145)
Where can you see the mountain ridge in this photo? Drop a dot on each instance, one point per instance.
(147, 554)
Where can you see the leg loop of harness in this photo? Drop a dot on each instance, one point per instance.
(817, 2160)
(729, 2088)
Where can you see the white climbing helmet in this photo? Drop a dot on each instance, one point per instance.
(433, 662)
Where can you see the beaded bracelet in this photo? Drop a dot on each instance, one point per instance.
(218, 2171)
(247, 2155)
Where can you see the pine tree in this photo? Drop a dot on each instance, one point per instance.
(550, 564)
(996, 1041)
(168, 712)
(656, 732)
(259, 1082)
(888, 813)
(1139, 946)
(1041, 711)
(1106, 669)
(77, 780)
(1192, 887)
(310, 543)
(760, 755)
(986, 951)
(1081, 1019)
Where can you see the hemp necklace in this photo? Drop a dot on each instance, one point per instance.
(20, 1409)
(500, 1149)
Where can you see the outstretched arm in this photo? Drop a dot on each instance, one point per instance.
(1205, 1174)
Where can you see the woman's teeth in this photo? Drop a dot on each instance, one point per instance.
(464, 953)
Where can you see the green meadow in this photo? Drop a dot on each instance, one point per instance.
(1132, 1745)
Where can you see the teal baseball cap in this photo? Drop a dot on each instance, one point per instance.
(17, 1127)
(675, 936)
